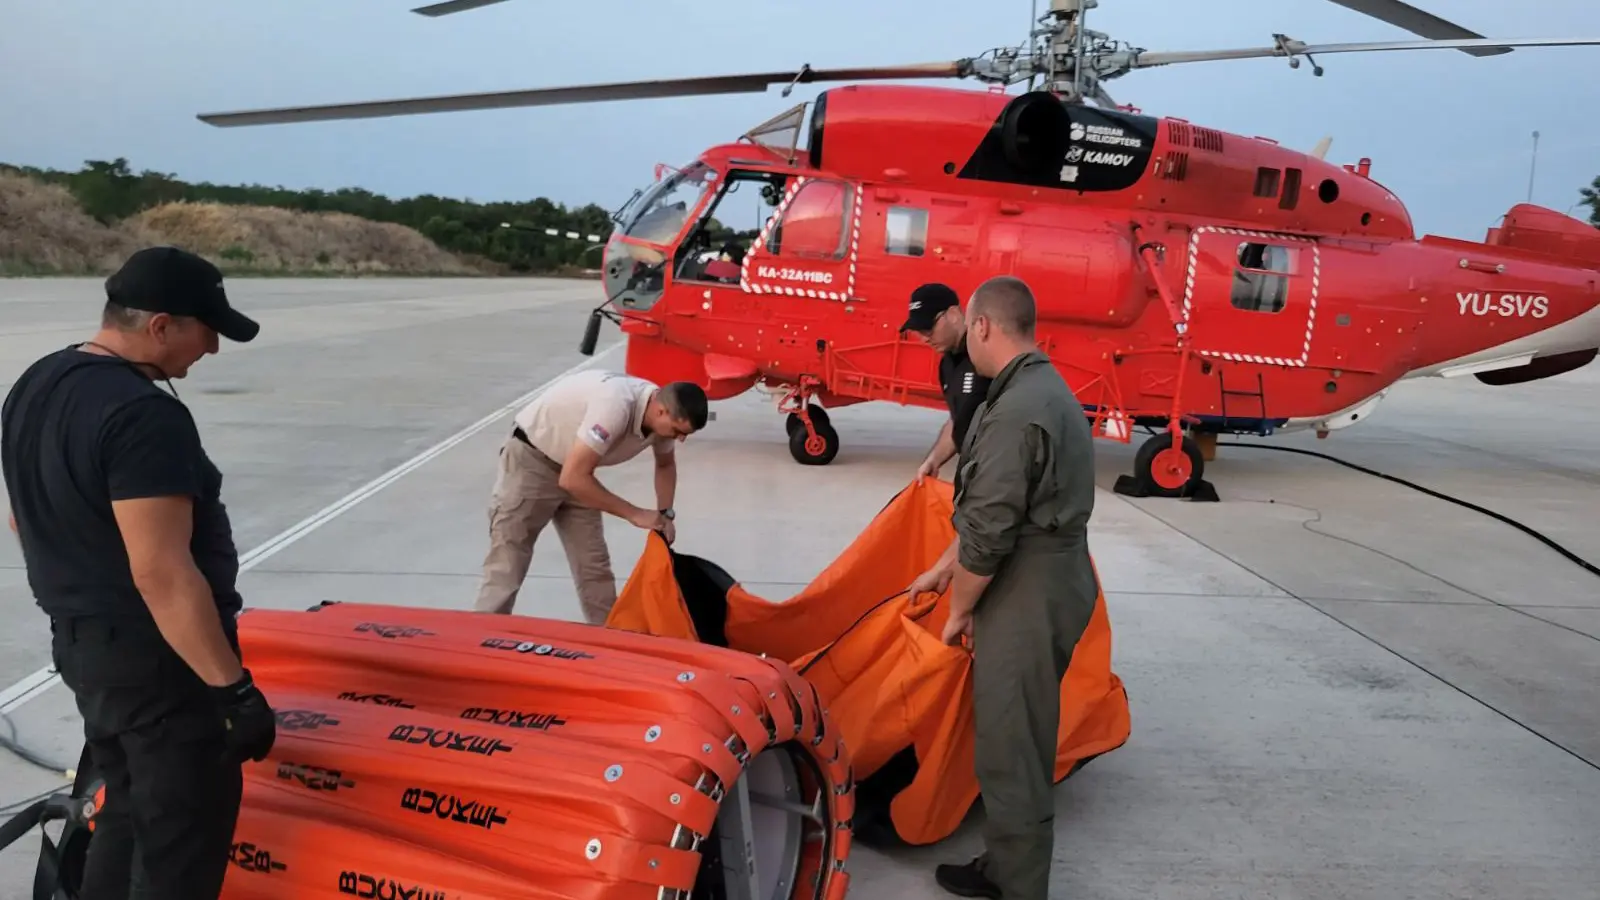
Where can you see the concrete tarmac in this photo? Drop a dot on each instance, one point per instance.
(1342, 689)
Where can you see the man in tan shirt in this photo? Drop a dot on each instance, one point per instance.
(547, 475)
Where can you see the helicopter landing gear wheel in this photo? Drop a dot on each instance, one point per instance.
(816, 447)
(1165, 471)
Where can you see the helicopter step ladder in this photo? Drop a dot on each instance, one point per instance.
(1259, 394)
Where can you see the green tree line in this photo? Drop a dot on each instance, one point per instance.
(110, 191)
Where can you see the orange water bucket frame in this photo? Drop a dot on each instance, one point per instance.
(436, 753)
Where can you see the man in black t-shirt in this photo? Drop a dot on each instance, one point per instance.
(935, 315)
(129, 551)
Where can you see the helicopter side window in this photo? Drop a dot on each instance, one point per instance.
(813, 225)
(1267, 182)
(1291, 189)
(905, 231)
(1261, 280)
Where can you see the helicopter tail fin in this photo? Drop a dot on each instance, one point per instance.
(1540, 230)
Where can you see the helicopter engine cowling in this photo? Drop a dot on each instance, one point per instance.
(934, 130)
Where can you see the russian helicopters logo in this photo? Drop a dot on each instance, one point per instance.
(1110, 135)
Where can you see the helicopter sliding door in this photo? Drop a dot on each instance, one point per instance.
(1251, 296)
(809, 246)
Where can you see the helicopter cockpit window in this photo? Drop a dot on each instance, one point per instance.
(715, 247)
(814, 224)
(666, 207)
(1261, 280)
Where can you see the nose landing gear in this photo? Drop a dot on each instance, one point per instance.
(812, 438)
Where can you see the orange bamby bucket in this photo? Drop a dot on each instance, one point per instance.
(902, 698)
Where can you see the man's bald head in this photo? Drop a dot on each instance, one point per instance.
(1007, 304)
(1000, 319)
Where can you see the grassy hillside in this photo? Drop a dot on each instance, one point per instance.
(86, 222)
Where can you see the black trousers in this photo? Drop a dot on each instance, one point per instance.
(153, 731)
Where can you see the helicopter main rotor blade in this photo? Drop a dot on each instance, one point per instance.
(451, 7)
(1420, 23)
(632, 90)
(1297, 48)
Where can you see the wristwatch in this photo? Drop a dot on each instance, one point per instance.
(668, 514)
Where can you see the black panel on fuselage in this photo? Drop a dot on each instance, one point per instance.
(1079, 148)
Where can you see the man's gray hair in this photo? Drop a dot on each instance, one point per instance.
(1007, 302)
(121, 318)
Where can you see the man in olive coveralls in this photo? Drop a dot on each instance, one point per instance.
(1021, 583)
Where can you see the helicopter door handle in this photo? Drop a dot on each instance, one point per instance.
(1492, 268)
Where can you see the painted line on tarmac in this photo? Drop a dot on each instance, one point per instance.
(33, 686)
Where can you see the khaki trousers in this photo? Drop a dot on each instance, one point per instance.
(526, 498)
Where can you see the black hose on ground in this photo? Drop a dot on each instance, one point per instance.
(1582, 563)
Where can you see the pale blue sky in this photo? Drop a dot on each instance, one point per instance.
(1449, 133)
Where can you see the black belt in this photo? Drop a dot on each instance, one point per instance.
(74, 625)
(71, 625)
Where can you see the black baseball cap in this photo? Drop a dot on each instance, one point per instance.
(179, 283)
(927, 302)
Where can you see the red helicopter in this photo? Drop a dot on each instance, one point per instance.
(1190, 282)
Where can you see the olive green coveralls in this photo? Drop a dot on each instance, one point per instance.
(1024, 492)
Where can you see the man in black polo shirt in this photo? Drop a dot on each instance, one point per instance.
(936, 317)
(130, 553)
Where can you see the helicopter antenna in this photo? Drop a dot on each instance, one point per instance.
(1077, 45)
(1033, 19)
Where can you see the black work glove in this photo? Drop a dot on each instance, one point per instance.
(251, 726)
